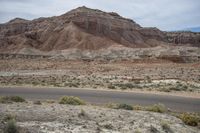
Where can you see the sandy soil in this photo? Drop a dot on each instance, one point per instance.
(76, 119)
(152, 76)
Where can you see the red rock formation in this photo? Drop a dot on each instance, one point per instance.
(85, 28)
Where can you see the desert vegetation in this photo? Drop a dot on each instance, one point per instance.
(71, 100)
(119, 75)
(11, 99)
(96, 115)
(192, 119)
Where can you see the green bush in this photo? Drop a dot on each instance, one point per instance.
(11, 127)
(190, 119)
(10, 99)
(71, 100)
(124, 106)
(157, 108)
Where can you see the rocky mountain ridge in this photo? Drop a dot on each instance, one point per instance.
(86, 29)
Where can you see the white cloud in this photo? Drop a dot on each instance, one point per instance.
(164, 14)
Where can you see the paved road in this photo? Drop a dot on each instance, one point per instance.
(103, 97)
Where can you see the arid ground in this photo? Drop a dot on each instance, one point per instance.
(148, 75)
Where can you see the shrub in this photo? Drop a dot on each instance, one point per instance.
(71, 84)
(71, 100)
(153, 129)
(190, 119)
(166, 127)
(17, 99)
(165, 89)
(111, 105)
(82, 113)
(11, 127)
(108, 126)
(179, 87)
(148, 79)
(111, 86)
(9, 117)
(174, 89)
(125, 86)
(10, 99)
(124, 106)
(137, 131)
(138, 107)
(137, 81)
(37, 102)
(157, 108)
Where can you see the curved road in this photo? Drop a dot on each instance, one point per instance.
(102, 97)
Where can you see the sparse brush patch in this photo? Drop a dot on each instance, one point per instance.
(148, 79)
(37, 102)
(165, 89)
(50, 101)
(8, 117)
(71, 84)
(71, 100)
(160, 108)
(124, 106)
(108, 126)
(179, 87)
(111, 105)
(190, 119)
(153, 129)
(138, 107)
(110, 86)
(137, 131)
(10, 99)
(11, 127)
(165, 126)
(137, 81)
(82, 113)
(125, 86)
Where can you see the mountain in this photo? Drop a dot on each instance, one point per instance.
(84, 29)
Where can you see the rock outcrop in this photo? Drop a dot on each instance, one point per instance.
(190, 38)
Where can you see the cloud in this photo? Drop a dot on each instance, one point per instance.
(164, 14)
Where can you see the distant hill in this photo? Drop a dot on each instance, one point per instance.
(193, 29)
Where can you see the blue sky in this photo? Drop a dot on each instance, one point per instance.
(164, 14)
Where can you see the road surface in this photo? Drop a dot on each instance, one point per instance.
(102, 97)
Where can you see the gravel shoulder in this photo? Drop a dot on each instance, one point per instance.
(77, 119)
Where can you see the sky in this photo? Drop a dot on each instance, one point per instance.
(164, 14)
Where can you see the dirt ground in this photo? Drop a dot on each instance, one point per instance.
(53, 117)
(151, 75)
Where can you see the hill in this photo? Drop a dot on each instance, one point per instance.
(84, 30)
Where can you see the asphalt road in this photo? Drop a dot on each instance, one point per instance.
(102, 97)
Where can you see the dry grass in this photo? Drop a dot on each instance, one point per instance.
(11, 99)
